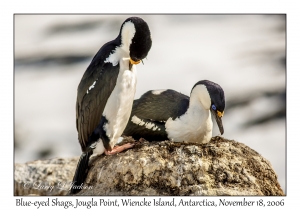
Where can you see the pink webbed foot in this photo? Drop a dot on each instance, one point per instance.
(118, 149)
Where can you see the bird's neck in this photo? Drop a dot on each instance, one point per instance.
(127, 35)
(200, 95)
(122, 51)
(194, 126)
(196, 114)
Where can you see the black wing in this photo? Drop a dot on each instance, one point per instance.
(90, 106)
(160, 107)
(156, 109)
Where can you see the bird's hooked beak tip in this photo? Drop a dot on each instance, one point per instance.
(222, 131)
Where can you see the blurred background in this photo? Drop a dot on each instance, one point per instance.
(245, 54)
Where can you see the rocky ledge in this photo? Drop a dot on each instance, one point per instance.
(221, 167)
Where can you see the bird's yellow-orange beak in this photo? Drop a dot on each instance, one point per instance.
(134, 62)
(220, 114)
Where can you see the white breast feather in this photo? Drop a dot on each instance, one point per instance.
(118, 107)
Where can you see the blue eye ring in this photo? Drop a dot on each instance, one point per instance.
(213, 107)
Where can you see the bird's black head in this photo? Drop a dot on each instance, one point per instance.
(217, 99)
(137, 31)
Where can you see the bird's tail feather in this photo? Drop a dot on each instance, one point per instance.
(81, 171)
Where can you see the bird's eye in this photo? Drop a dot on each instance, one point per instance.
(213, 107)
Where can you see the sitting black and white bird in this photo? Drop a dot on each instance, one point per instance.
(167, 114)
(106, 92)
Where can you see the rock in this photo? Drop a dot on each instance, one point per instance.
(221, 167)
(44, 177)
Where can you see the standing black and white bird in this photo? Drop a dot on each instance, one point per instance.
(167, 114)
(105, 94)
